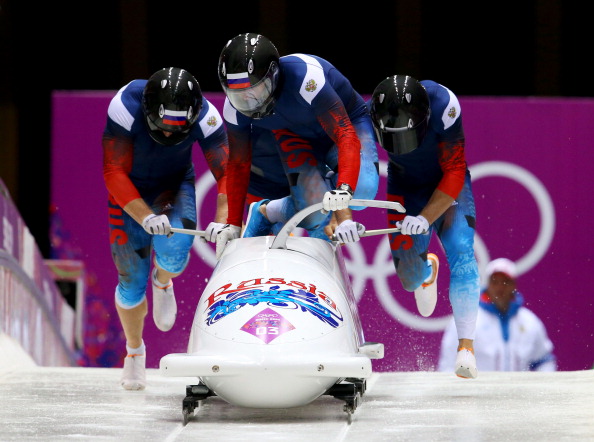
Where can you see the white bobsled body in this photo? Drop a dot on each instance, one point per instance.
(275, 327)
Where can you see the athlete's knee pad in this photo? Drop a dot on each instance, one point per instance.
(129, 298)
(172, 254)
(173, 263)
(411, 269)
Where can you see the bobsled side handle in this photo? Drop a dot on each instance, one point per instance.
(280, 242)
(189, 231)
(374, 232)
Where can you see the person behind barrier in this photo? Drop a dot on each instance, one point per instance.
(317, 119)
(147, 166)
(419, 124)
(509, 336)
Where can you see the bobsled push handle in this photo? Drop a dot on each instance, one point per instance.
(280, 242)
(189, 231)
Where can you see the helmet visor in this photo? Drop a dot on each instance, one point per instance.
(254, 101)
(399, 135)
(172, 137)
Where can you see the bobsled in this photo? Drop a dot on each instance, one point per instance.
(277, 325)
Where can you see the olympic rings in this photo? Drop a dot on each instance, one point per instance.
(382, 267)
(541, 197)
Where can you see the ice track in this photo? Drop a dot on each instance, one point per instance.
(40, 403)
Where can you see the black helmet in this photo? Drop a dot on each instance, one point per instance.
(249, 74)
(400, 113)
(172, 101)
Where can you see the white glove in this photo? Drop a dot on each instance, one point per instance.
(226, 234)
(211, 232)
(157, 224)
(336, 200)
(413, 225)
(348, 231)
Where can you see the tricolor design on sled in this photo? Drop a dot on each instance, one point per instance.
(277, 325)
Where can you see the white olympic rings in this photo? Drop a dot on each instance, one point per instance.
(382, 267)
(542, 198)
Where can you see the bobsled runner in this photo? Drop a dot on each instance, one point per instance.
(277, 325)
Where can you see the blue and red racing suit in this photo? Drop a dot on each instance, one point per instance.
(320, 123)
(438, 163)
(135, 166)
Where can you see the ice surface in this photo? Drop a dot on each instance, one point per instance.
(41, 403)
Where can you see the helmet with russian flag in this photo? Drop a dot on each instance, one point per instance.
(172, 101)
(249, 73)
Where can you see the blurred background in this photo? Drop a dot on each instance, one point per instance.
(529, 48)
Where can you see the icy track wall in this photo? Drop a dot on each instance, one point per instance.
(33, 312)
(531, 172)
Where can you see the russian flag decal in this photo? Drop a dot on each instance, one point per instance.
(174, 118)
(238, 81)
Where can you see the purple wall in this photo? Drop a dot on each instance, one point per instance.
(530, 172)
